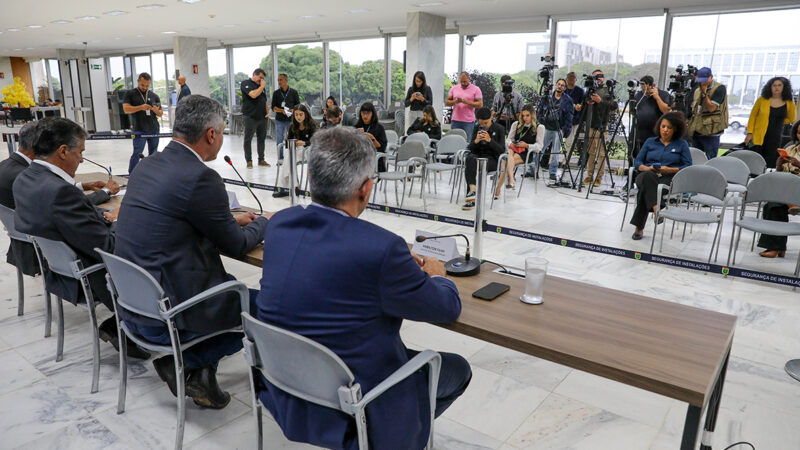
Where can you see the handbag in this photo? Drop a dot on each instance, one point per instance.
(516, 148)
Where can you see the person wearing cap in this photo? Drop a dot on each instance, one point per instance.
(709, 113)
(507, 103)
(488, 141)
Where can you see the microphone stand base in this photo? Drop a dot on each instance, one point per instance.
(461, 267)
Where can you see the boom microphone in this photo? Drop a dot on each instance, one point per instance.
(246, 184)
(463, 266)
(107, 170)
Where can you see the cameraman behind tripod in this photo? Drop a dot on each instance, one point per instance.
(604, 103)
(507, 104)
(709, 113)
(555, 113)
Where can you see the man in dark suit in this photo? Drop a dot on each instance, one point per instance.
(49, 205)
(312, 251)
(175, 222)
(21, 253)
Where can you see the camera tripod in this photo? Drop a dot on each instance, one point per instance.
(584, 127)
(551, 115)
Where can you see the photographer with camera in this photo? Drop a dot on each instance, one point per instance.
(555, 113)
(709, 113)
(603, 103)
(651, 104)
(507, 103)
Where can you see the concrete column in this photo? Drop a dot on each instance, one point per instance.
(191, 51)
(425, 51)
(326, 75)
(387, 71)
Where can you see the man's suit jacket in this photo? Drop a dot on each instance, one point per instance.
(49, 207)
(348, 284)
(174, 222)
(22, 254)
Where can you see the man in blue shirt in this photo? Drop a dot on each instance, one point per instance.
(348, 284)
(184, 89)
(577, 94)
(555, 115)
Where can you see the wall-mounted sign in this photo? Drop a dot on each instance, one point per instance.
(96, 67)
(2, 75)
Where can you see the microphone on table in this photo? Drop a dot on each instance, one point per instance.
(246, 184)
(107, 170)
(463, 266)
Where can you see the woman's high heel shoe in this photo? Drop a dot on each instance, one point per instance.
(772, 253)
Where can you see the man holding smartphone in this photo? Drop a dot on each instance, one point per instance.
(465, 98)
(145, 107)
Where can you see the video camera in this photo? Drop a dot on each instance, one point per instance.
(508, 86)
(592, 83)
(680, 85)
(546, 73)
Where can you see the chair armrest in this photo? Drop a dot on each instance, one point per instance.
(418, 160)
(233, 285)
(406, 370)
(90, 269)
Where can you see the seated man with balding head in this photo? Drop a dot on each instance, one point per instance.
(349, 284)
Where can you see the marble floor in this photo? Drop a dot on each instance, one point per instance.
(514, 402)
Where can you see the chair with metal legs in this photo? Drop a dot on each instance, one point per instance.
(7, 218)
(312, 372)
(446, 149)
(692, 180)
(62, 260)
(502, 168)
(410, 154)
(135, 291)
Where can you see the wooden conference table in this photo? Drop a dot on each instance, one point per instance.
(667, 348)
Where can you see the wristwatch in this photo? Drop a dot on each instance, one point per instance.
(106, 190)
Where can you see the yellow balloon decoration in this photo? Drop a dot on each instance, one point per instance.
(15, 94)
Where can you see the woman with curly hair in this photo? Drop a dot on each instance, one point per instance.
(773, 109)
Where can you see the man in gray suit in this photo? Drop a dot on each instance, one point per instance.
(49, 205)
(175, 222)
(20, 253)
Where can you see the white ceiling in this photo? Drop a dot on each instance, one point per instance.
(237, 21)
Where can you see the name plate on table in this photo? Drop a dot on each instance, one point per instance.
(443, 249)
(233, 203)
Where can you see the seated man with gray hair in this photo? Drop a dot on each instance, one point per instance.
(348, 284)
(175, 223)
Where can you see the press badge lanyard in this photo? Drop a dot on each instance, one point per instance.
(144, 100)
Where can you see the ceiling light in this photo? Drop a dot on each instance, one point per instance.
(87, 18)
(265, 21)
(150, 6)
(117, 38)
(28, 48)
(13, 29)
(230, 25)
(34, 27)
(190, 1)
(17, 49)
(429, 4)
(311, 16)
(357, 11)
(115, 13)
(60, 22)
(169, 32)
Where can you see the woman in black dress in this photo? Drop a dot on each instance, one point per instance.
(369, 125)
(427, 124)
(301, 130)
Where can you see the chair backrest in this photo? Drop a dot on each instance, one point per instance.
(61, 259)
(734, 170)
(754, 161)
(316, 111)
(698, 156)
(540, 131)
(391, 137)
(419, 137)
(411, 149)
(295, 364)
(7, 218)
(349, 119)
(135, 290)
(383, 114)
(778, 187)
(700, 179)
(450, 144)
(458, 132)
(400, 120)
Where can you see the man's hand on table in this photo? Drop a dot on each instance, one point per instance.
(244, 219)
(111, 216)
(112, 186)
(93, 185)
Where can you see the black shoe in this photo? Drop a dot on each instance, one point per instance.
(637, 237)
(280, 193)
(108, 333)
(660, 220)
(530, 175)
(202, 386)
(299, 192)
(552, 177)
(165, 368)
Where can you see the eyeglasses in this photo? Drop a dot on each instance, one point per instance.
(373, 178)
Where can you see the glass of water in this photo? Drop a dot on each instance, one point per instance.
(535, 272)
